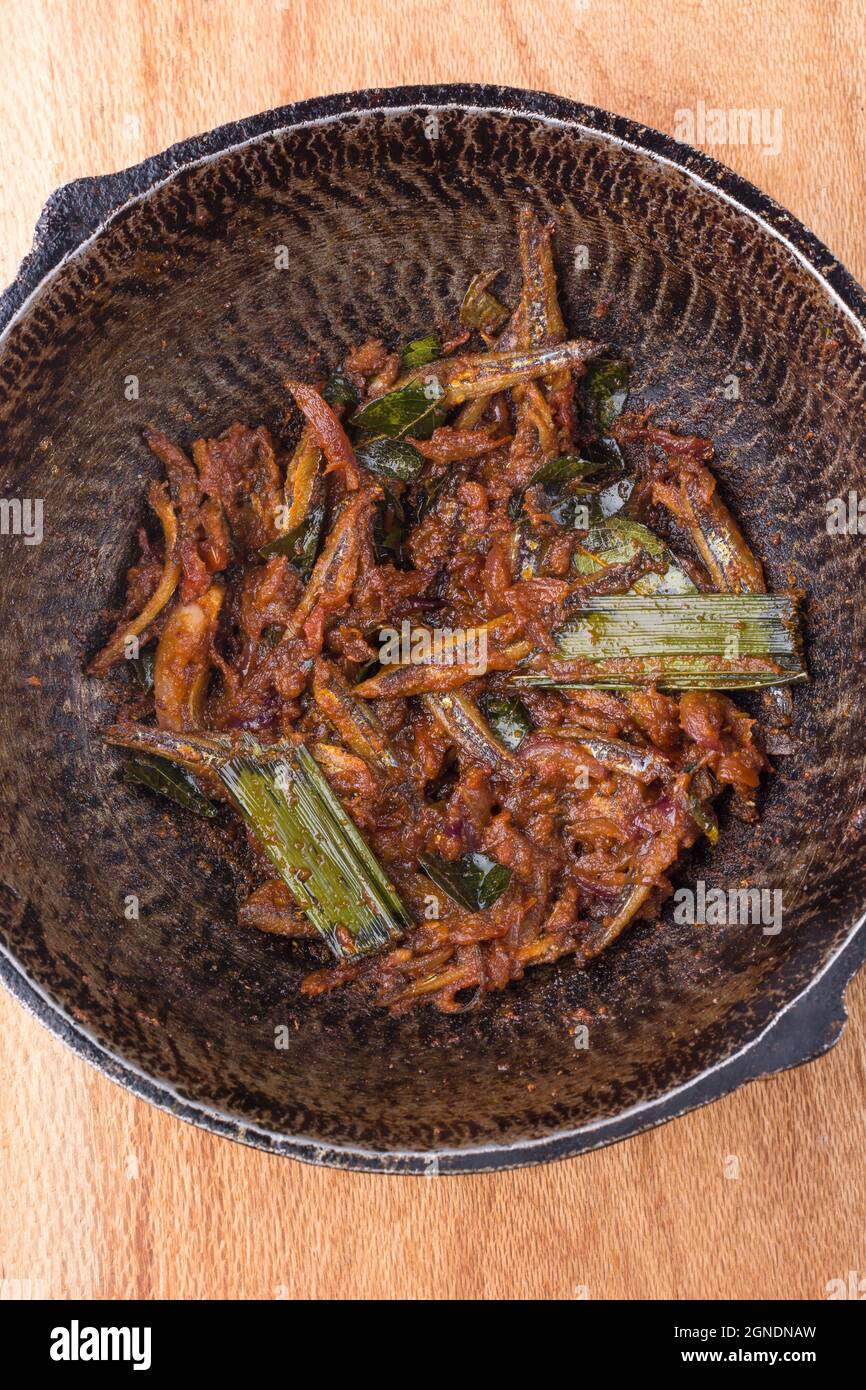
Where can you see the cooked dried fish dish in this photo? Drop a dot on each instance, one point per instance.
(454, 656)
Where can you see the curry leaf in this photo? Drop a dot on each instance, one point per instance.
(606, 388)
(141, 669)
(302, 543)
(480, 308)
(618, 540)
(509, 719)
(389, 529)
(474, 881)
(169, 780)
(391, 457)
(421, 350)
(415, 409)
(340, 390)
(553, 476)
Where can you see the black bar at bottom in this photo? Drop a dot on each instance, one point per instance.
(255, 1338)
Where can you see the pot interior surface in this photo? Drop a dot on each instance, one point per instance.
(180, 315)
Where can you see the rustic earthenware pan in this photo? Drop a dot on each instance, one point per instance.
(154, 297)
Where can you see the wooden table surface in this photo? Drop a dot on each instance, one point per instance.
(104, 1196)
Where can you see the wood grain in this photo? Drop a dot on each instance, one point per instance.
(105, 1197)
